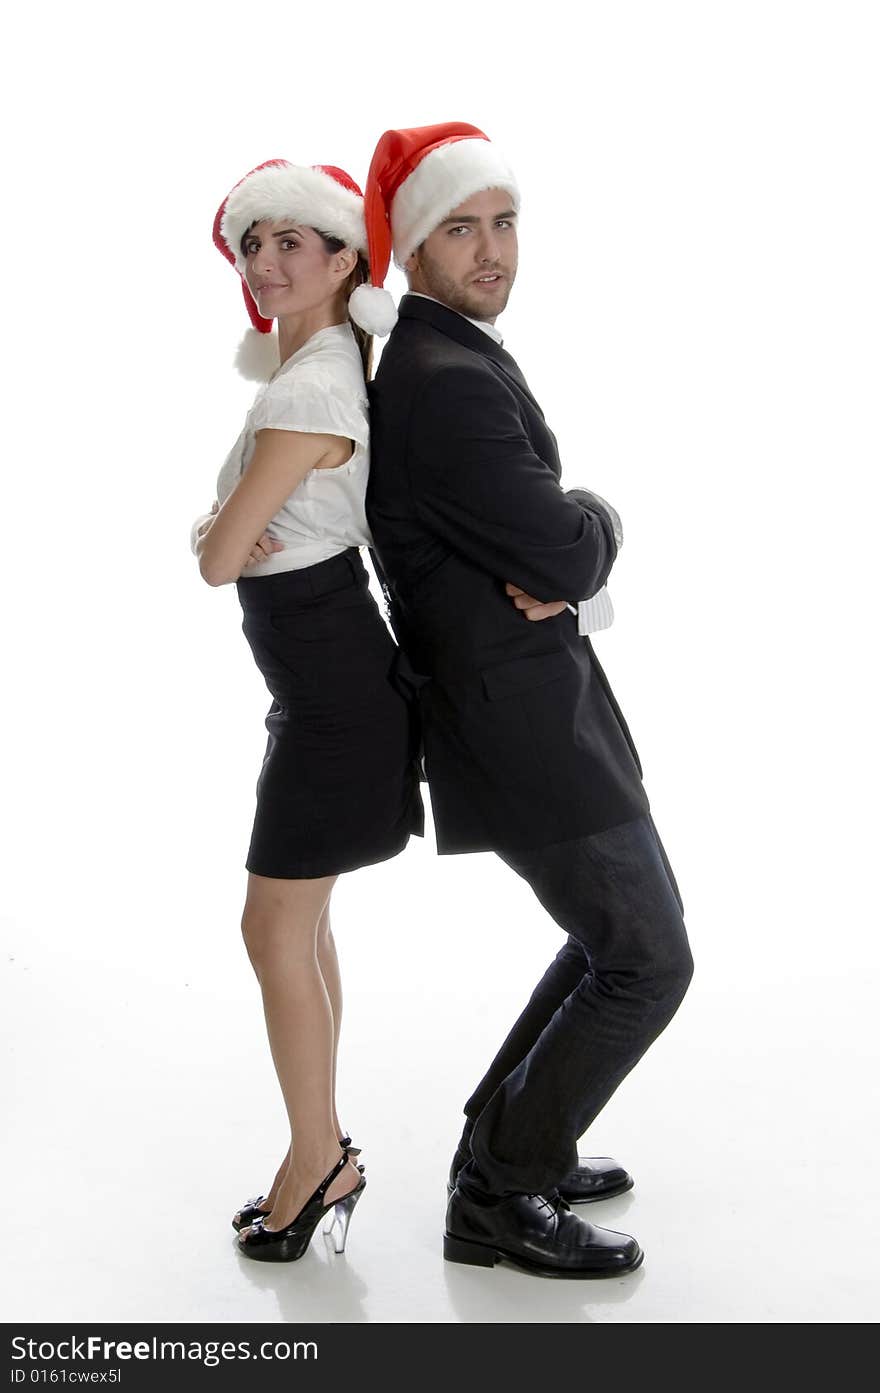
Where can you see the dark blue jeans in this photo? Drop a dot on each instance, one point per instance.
(609, 992)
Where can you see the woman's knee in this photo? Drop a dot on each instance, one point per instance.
(258, 930)
(324, 934)
(284, 914)
(270, 933)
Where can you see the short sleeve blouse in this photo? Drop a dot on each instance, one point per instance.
(320, 388)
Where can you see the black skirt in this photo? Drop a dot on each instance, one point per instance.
(339, 787)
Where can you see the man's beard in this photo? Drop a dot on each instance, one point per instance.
(459, 297)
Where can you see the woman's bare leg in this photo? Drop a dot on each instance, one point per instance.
(328, 963)
(280, 926)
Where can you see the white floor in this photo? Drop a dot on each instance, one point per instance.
(142, 1110)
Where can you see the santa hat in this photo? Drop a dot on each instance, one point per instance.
(416, 178)
(319, 196)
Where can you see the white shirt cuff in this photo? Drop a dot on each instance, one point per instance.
(595, 613)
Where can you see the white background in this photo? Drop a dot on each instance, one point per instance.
(697, 311)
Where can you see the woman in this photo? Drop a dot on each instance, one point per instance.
(339, 784)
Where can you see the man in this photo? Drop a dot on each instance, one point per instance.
(483, 555)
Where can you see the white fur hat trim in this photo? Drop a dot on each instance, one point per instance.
(440, 182)
(305, 195)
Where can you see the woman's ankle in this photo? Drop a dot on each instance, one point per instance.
(308, 1160)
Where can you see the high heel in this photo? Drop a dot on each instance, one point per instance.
(337, 1221)
(289, 1244)
(253, 1209)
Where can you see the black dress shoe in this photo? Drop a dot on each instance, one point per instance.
(538, 1234)
(594, 1178)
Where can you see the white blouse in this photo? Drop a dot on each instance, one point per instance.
(319, 388)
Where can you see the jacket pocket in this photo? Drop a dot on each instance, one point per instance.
(521, 674)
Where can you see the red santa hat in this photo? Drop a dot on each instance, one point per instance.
(319, 196)
(416, 178)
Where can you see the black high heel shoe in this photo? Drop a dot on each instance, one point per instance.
(249, 1213)
(253, 1209)
(289, 1244)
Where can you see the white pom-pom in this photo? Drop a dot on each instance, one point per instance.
(257, 356)
(373, 309)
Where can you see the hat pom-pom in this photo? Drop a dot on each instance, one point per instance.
(257, 356)
(373, 309)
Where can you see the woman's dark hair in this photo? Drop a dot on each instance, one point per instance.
(359, 276)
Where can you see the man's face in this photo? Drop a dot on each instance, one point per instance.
(469, 261)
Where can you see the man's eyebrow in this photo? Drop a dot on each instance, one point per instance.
(470, 218)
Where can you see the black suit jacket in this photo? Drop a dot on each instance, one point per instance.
(524, 742)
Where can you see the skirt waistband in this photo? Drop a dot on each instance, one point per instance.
(263, 592)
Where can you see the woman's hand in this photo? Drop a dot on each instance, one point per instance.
(205, 526)
(281, 460)
(262, 550)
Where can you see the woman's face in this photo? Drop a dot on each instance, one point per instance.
(288, 268)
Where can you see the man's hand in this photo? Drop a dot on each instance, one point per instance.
(534, 609)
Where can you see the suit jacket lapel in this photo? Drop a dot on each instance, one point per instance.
(457, 327)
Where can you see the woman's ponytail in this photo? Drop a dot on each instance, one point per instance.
(359, 276)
